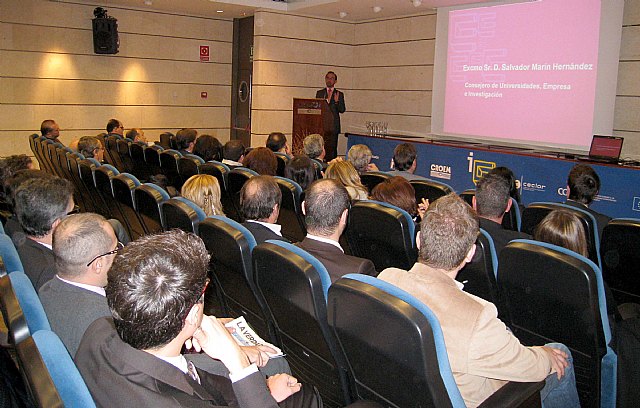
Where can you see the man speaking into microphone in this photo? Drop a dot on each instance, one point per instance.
(335, 99)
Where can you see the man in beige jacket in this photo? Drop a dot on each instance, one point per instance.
(483, 353)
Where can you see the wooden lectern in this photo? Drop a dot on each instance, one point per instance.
(310, 116)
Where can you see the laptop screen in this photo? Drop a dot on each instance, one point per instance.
(606, 147)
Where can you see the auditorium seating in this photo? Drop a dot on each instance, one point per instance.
(235, 180)
(123, 186)
(294, 285)
(283, 159)
(152, 158)
(621, 258)
(291, 217)
(149, 198)
(21, 307)
(429, 189)
(139, 167)
(9, 254)
(124, 154)
(187, 167)
(370, 179)
(169, 166)
(181, 213)
(555, 295)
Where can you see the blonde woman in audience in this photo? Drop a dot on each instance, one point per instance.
(345, 173)
(204, 190)
(360, 156)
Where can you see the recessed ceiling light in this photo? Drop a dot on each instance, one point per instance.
(219, 11)
(148, 3)
(377, 9)
(416, 3)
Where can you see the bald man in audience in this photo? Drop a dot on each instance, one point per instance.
(50, 129)
(233, 153)
(326, 208)
(260, 199)
(115, 128)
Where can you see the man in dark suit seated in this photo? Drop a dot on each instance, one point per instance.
(186, 140)
(40, 205)
(156, 296)
(233, 153)
(115, 128)
(277, 143)
(491, 202)
(260, 200)
(583, 184)
(326, 208)
(50, 129)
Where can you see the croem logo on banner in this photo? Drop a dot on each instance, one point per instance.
(440, 171)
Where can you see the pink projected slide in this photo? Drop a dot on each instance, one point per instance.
(523, 71)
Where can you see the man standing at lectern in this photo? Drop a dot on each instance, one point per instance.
(335, 99)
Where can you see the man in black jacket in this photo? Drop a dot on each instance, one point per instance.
(335, 99)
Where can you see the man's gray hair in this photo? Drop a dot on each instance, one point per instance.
(313, 145)
(325, 201)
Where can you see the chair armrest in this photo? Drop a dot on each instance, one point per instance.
(515, 394)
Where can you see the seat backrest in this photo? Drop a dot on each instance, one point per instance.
(467, 196)
(111, 152)
(187, 167)
(181, 213)
(165, 140)
(370, 179)
(235, 180)
(291, 217)
(9, 254)
(230, 245)
(555, 295)
(21, 307)
(123, 186)
(621, 257)
(535, 212)
(407, 343)
(294, 285)
(139, 167)
(169, 165)
(149, 198)
(387, 242)
(51, 375)
(512, 220)
(53, 158)
(283, 159)
(125, 156)
(429, 189)
(152, 158)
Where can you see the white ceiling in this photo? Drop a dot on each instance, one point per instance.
(357, 10)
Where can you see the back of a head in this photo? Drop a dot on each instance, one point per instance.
(135, 133)
(39, 202)
(233, 150)
(276, 141)
(12, 164)
(47, 126)
(360, 155)
(403, 156)
(77, 240)
(562, 228)
(313, 145)
(87, 146)
(301, 170)
(447, 232)
(112, 124)
(584, 183)
(204, 190)
(325, 201)
(344, 172)
(12, 183)
(511, 180)
(261, 160)
(152, 285)
(258, 196)
(492, 196)
(185, 136)
(208, 148)
(397, 191)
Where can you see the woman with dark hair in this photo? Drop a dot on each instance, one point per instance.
(208, 148)
(399, 192)
(261, 160)
(301, 170)
(564, 229)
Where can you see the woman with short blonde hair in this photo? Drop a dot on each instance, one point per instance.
(345, 173)
(360, 156)
(204, 190)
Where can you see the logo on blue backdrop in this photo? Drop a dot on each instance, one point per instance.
(440, 171)
(479, 168)
(636, 204)
(562, 191)
(533, 186)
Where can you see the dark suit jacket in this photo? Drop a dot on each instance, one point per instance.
(501, 236)
(601, 219)
(336, 108)
(37, 260)
(262, 233)
(119, 375)
(336, 262)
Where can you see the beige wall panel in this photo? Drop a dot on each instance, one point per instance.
(631, 145)
(626, 113)
(630, 45)
(264, 122)
(308, 52)
(417, 78)
(99, 67)
(291, 26)
(629, 78)
(399, 29)
(146, 46)
(278, 98)
(41, 12)
(412, 125)
(395, 54)
(631, 12)
(14, 143)
(396, 102)
(179, 117)
(301, 75)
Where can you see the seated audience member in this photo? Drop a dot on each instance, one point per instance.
(511, 180)
(204, 190)
(91, 147)
(277, 143)
(583, 185)
(137, 136)
(313, 146)
(405, 162)
(301, 170)
(185, 140)
(483, 353)
(262, 161)
(233, 153)
(40, 205)
(360, 156)
(84, 246)
(163, 182)
(156, 298)
(115, 128)
(491, 202)
(326, 208)
(8, 168)
(10, 185)
(260, 199)
(50, 129)
(399, 192)
(346, 174)
(208, 148)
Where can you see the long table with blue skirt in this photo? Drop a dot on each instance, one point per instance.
(542, 176)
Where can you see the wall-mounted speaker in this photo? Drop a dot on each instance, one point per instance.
(105, 35)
